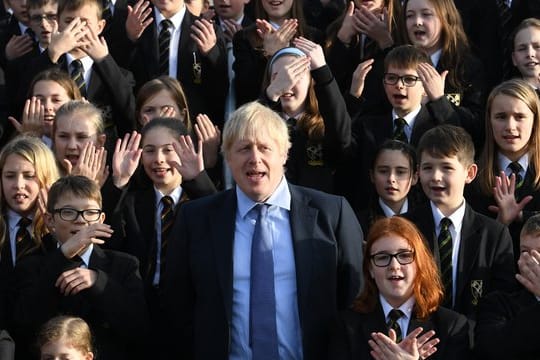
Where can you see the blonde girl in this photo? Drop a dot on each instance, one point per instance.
(65, 337)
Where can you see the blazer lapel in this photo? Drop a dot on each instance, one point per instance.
(222, 223)
(468, 250)
(422, 123)
(302, 218)
(374, 322)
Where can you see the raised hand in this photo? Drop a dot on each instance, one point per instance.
(87, 235)
(96, 46)
(231, 28)
(204, 35)
(359, 77)
(508, 209)
(32, 119)
(313, 51)
(529, 271)
(286, 77)
(350, 27)
(17, 46)
(91, 163)
(210, 136)
(72, 282)
(273, 40)
(374, 27)
(126, 158)
(190, 163)
(432, 81)
(138, 19)
(63, 42)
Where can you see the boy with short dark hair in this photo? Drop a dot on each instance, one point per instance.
(42, 14)
(474, 252)
(103, 287)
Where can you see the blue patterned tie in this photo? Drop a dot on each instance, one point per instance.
(262, 307)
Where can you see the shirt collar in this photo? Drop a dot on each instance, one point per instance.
(13, 219)
(175, 195)
(281, 197)
(176, 19)
(435, 57)
(410, 117)
(388, 212)
(85, 255)
(456, 217)
(406, 307)
(503, 162)
(86, 61)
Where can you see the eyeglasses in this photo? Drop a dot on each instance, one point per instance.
(383, 259)
(36, 19)
(69, 214)
(407, 80)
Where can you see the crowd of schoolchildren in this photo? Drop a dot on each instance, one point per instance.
(111, 114)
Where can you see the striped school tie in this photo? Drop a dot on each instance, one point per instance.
(393, 316)
(77, 74)
(445, 257)
(23, 239)
(516, 169)
(164, 44)
(399, 130)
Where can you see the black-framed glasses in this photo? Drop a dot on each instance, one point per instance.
(36, 19)
(70, 214)
(383, 259)
(407, 80)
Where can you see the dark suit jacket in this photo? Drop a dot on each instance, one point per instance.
(206, 96)
(485, 260)
(198, 289)
(354, 329)
(506, 327)
(114, 307)
(115, 33)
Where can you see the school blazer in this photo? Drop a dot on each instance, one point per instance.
(486, 259)
(353, 330)
(206, 89)
(198, 289)
(114, 307)
(506, 327)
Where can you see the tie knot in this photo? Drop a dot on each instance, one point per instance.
(261, 209)
(515, 167)
(77, 65)
(166, 24)
(445, 223)
(167, 201)
(400, 123)
(30, 33)
(24, 222)
(395, 314)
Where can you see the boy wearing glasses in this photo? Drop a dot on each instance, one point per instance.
(42, 15)
(473, 252)
(79, 278)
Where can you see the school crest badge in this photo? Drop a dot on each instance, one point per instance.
(476, 291)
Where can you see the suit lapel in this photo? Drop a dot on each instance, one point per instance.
(145, 211)
(422, 123)
(302, 218)
(222, 223)
(185, 53)
(468, 250)
(374, 322)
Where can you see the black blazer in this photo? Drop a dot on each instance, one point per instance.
(198, 289)
(354, 329)
(205, 94)
(486, 259)
(114, 307)
(115, 33)
(506, 326)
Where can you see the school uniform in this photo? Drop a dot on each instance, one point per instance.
(506, 326)
(482, 257)
(353, 330)
(203, 77)
(378, 210)
(250, 61)
(114, 307)
(115, 32)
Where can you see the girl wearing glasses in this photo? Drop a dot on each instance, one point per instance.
(435, 26)
(398, 313)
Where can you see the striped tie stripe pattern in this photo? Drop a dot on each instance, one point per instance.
(23, 239)
(164, 43)
(399, 130)
(77, 74)
(445, 256)
(516, 169)
(394, 315)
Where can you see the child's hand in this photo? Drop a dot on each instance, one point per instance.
(168, 111)
(204, 35)
(231, 28)
(210, 136)
(17, 46)
(96, 46)
(359, 77)
(87, 235)
(350, 26)
(284, 80)
(72, 282)
(126, 158)
(508, 209)
(32, 120)
(312, 50)
(529, 271)
(91, 163)
(138, 19)
(273, 40)
(432, 81)
(63, 42)
(190, 163)
(374, 27)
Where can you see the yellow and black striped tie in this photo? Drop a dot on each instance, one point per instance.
(516, 169)
(77, 74)
(393, 316)
(167, 220)
(399, 130)
(445, 257)
(23, 239)
(164, 44)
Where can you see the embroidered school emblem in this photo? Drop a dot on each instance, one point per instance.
(455, 98)
(315, 155)
(476, 291)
